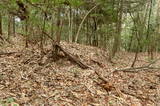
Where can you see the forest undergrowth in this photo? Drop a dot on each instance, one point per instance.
(28, 78)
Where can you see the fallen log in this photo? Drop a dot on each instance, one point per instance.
(73, 58)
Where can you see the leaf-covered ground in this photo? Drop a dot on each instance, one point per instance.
(32, 79)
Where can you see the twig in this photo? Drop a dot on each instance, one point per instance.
(137, 96)
(131, 69)
(153, 62)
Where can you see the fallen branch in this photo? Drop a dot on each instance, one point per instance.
(137, 96)
(98, 63)
(72, 58)
(132, 69)
(4, 39)
(9, 53)
(153, 62)
(101, 77)
(69, 55)
(136, 68)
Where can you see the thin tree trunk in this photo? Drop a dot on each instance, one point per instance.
(80, 26)
(130, 43)
(117, 37)
(148, 37)
(13, 26)
(135, 57)
(95, 39)
(42, 34)
(70, 25)
(26, 31)
(52, 27)
(87, 32)
(58, 34)
(9, 25)
(1, 32)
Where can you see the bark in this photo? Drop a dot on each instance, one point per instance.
(80, 26)
(42, 34)
(52, 26)
(13, 26)
(70, 25)
(9, 25)
(58, 34)
(130, 43)
(1, 32)
(87, 31)
(148, 37)
(117, 37)
(73, 58)
(26, 31)
(95, 37)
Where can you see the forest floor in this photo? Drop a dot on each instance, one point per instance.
(29, 79)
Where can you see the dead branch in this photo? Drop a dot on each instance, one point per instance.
(101, 77)
(69, 55)
(153, 62)
(1, 38)
(72, 58)
(7, 54)
(98, 63)
(137, 96)
(132, 69)
(4, 40)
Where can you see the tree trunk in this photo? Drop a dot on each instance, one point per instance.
(13, 26)
(1, 32)
(130, 43)
(26, 31)
(52, 26)
(87, 31)
(148, 36)
(117, 37)
(42, 34)
(70, 25)
(9, 25)
(95, 39)
(58, 34)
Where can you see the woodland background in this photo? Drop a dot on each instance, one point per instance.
(128, 25)
(80, 52)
